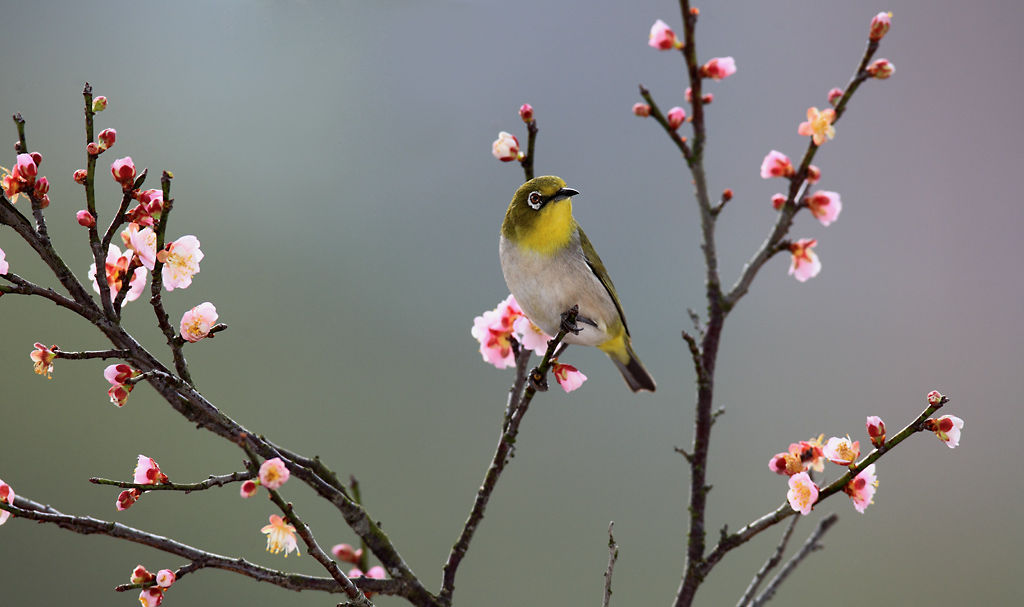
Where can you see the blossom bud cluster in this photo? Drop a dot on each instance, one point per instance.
(24, 179)
(152, 595)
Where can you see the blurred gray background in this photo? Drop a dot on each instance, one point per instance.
(334, 160)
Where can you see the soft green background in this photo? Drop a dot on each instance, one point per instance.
(334, 160)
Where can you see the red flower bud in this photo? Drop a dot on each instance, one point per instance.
(526, 113)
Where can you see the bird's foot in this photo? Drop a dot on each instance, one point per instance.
(569, 321)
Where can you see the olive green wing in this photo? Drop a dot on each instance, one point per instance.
(597, 266)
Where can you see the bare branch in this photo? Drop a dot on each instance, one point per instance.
(809, 546)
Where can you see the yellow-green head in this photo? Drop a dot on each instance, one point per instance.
(540, 215)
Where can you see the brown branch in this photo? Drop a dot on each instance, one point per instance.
(213, 481)
(613, 555)
(527, 161)
(24, 287)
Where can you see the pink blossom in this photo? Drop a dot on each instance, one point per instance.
(934, 398)
(93, 149)
(777, 201)
(117, 375)
(346, 554)
(663, 38)
(718, 68)
(99, 103)
(152, 596)
(280, 536)
(273, 473)
(181, 262)
(4, 266)
(118, 393)
(6, 497)
(526, 113)
(776, 164)
(147, 472)
(530, 335)
(376, 572)
(801, 457)
(197, 322)
(142, 242)
(568, 376)
(248, 488)
(676, 116)
(116, 268)
(42, 357)
(802, 493)
(947, 428)
(42, 187)
(107, 137)
(876, 430)
(862, 488)
(141, 576)
(805, 261)
(834, 95)
(819, 125)
(842, 451)
(123, 171)
(879, 26)
(164, 578)
(125, 500)
(506, 147)
(28, 166)
(494, 332)
(813, 174)
(881, 69)
(80, 176)
(642, 110)
(825, 206)
(707, 98)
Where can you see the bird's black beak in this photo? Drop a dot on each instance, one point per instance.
(563, 194)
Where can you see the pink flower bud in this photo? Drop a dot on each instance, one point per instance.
(249, 488)
(881, 69)
(641, 109)
(934, 398)
(27, 167)
(663, 38)
(718, 68)
(37, 158)
(42, 187)
(99, 104)
(93, 148)
(727, 195)
(7, 497)
(813, 174)
(164, 578)
(834, 95)
(152, 597)
(80, 176)
(506, 147)
(346, 554)
(776, 164)
(85, 218)
(876, 430)
(777, 201)
(688, 94)
(825, 206)
(676, 117)
(107, 138)
(568, 376)
(879, 26)
(707, 98)
(42, 357)
(123, 171)
(141, 576)
(45, 202)
(526, 113)
(124, 501)
(147, 472)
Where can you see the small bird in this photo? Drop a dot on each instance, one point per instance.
(550, 266)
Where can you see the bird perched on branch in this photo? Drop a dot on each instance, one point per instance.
(550, 266)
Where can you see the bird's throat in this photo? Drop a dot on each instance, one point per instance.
(551, 230)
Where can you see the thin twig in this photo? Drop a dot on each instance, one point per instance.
(25, 287)
(809, 546)
(213, 481)
(613, 555)
(772, 562)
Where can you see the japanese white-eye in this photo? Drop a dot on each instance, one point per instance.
(550, 266)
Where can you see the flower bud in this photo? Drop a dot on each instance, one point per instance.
(124, 501)
(813, 174)
(688, 95)
(707, 98)
(249, 488)
(718, 68)
(777, 201)
(727, 195)
(42, 187)
(876, 430)
(80, 176)
(36, 158)
(99, 104)
(641, 109)
(881, 69)
(663, 38)
(506, 147)
(879, 26)
(346, 554)
(934, 398)
(164, 578)
(93, 149)
(676, 117)
(526, 113)
(141, 576)
(834, 95)
(123, 171)
(107, 138)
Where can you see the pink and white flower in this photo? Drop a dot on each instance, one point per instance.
(862, 488)
(819, 125)
(506, 147)
(876, 430)
(164, 578)
(676, 117)
(4, 266)
(117, 375)
(116, 269)
(147, 472)
(181, 262)
(280, 536)
(494, 332)
(125, 499)
(802, 493)
(663, 38)
(881, 69)
(6, 497)
(719, 68)
(776, 164)
(530, 335)
(42, 357)
(123, 171)
(825, 206)
(834, 95)
(805, 263)
(152, 596)
(568, 376)
(273, 473)
(947, 428)
(140, 575)
(248, 488)
(642, 110)
(841, 451)
(197, 322)
(107, 137)
(934, 398)
(142, 242)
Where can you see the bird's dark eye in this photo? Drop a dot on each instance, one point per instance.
(535, 200)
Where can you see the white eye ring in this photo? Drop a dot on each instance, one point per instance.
(535, 200)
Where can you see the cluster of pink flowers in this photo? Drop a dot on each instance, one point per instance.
(153, 595)
(6, 497)
(118, 376)
(147, 472)
(273, 473)
(107, 137)
(22, 179)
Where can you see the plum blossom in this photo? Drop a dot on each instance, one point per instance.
(249, 488)
(802, 493)
(126, 498)
(841, 451)
(164, 578)
(22, 177)
(568, 376)
(107, 138)
(494, 332)
(506, 147)
(778, 200)
(801, 457)
(147, 472)
(152, 596)
(6, 497)
(197, 322)
(819, 125)
(776, 164)
(80, 176)
(280, 536)
(663, 38)
(813, 174)
(876, 430)
(4, 266)
(862, 488)
(879, 26)
(123, 171)
(881, 69)
(118, 375)
(526, 113)
(530, 335)
(181, 261)
(676, 116)
(947, 428)
(116, 268)
(805, 262)
(642, 110)
(142, 242)
(719, 68)
(273, 473)
(934, 398)
(346, 554)
(140, 575)
(376, 573)
(834, 95)
(42, 357)
(825, 206)
(99, 103)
